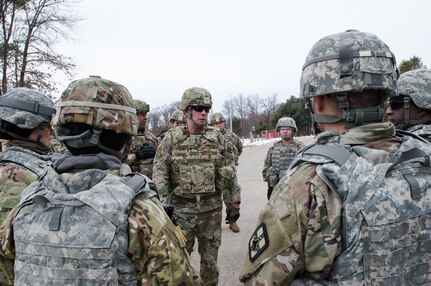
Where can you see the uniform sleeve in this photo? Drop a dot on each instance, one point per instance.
(156, 247)
(238, 145)
(161, 168)
(267, 162)
(7, 250)
(298, 232)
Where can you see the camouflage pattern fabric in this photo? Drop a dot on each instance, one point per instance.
(416, 84)
(278, 159)
(368, 63)
(145, 166)
(57, 146)
(191, 171)
(19, 105)
(234, 140)
(154, 244)
(299, 236)
(14, 178)
(423, 130)
(98, 102)
(206, 228)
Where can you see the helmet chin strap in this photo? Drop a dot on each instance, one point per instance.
(197, 125)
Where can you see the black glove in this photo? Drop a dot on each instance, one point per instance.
(268, 194)
(232, 215)
(145, 152)
(169, 210)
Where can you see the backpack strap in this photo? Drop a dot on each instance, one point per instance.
(414, 153)
(141, 185)
(331, 152)
(31, 162)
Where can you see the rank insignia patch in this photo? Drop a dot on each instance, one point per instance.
(258, 242)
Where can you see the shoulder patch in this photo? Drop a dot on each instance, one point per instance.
(259, 241)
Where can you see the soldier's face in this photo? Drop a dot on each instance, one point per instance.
(219, 126)
(200, 114)
(142, 118)
(286, 133)
(41, 134)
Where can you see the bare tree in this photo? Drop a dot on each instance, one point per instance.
(158, 118)
(37, 27)
(269, 105)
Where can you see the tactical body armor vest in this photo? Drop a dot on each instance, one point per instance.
(196, 159)
(65, 235)
(386, 219)
(281, 158)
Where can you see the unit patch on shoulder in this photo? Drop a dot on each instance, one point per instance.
(258, 242)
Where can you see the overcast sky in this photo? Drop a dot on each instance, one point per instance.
(159, 48)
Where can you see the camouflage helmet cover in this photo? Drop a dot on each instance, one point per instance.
(26, 108)
(195, 96)
(141, 106)
(98, 102)
(351, 61)
(178, 115)
(286, 122)
(416, 84)
(216, 117)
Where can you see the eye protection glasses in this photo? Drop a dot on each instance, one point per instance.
(200, 108)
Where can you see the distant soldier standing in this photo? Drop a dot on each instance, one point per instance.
(281, 154)
(411, 109)
(177, 118)
(144, 144)
(25, 117)
(234, 146)
(191, 171)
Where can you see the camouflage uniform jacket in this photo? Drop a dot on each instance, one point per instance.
(423, 130)
(192, 170)
(235, 142)
(278, 159)
(155, 247)
(142, 166)
(338, 223)
(19, 167)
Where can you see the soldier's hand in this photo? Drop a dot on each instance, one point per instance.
(232, 215)
(145, 152)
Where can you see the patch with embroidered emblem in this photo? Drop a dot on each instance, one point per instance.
(259, 241)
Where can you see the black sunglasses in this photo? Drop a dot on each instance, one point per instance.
(396, 104)
(200, 108)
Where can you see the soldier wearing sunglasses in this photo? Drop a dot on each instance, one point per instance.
(191, 170)
(411, 110)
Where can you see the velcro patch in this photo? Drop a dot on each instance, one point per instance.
(259, 241)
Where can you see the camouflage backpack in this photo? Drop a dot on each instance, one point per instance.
(386, 219)
(80, 237)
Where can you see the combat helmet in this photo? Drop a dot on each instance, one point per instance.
(25, 108)
(216, 117)
(178, 115)
(286, 122)
(195, 96)
(103, 108)
(346, 62)
(141, 106)
(414, 85)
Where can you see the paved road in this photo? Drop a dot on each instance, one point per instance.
(253, 199)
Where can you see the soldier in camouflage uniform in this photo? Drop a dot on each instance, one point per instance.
(191, 170)
(411, 109)
(353, 208)
(177, 118)
(95, 119)
(25, 117)
(234, 146)
(144, 145)
(281, 154)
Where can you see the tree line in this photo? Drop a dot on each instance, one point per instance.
(31, 28)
